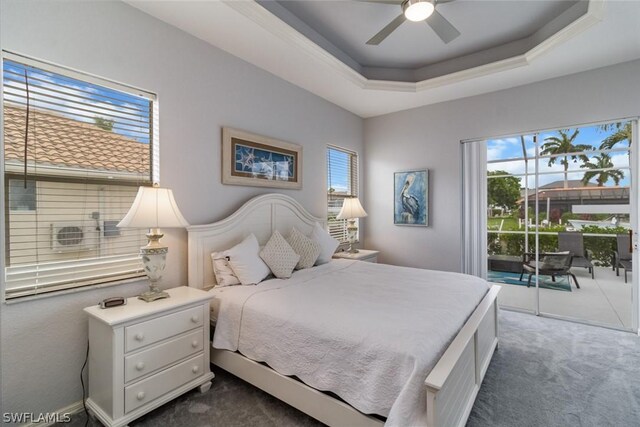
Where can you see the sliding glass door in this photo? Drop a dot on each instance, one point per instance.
(511, 225)
(560, 221)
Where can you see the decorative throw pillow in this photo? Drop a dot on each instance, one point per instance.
(307, 248)
(245, 261)
(328, 244)
(279, 256)
(222, 270)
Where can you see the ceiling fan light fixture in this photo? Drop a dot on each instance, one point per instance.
(417, 10)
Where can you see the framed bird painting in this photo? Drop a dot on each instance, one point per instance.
(411, 197)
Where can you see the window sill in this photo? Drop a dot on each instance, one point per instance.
(18, 300)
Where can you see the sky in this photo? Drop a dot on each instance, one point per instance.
(77, 99)
(338, 170)
(511, 148)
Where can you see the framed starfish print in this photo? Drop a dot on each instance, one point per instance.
(259, 161)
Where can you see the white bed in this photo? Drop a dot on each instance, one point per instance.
(430, 381)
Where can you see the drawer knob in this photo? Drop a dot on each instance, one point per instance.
(140, 395)
(195, 369)
(139, 366)
(194, 319)
(139, 336)
(194, 344)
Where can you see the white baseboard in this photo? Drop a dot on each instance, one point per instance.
(71, 409)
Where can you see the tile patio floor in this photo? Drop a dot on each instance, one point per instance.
(605, 300)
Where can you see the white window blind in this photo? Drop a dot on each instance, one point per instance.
(76, 148)
(342, 182)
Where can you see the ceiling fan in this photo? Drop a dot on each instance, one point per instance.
(417, 11)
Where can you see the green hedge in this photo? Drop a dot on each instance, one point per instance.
(513, 244)
(602, 248)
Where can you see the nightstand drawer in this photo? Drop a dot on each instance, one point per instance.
(157, 385)
(157, 357)
(155, 330)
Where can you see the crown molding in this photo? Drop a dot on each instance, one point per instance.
(595, 14)
(261, 16)
(580, 39)
(273, 24)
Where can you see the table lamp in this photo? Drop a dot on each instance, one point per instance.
(351, 209)
(153, 207)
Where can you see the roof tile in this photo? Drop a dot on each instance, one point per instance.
(61, 141)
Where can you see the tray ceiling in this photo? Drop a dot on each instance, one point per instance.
(586, 35)
(347, 25)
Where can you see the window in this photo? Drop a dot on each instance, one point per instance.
(21, 195)
(76, 149)
(342, 182)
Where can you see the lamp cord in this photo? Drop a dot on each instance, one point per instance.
(26, 128)
(84, 402)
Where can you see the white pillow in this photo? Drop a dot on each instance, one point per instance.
(279, 256)
(244, 259)
(328, 244)
(307, 248)
(222, 270)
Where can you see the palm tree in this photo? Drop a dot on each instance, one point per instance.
(564, 145)
(603, 161)
(623, 133)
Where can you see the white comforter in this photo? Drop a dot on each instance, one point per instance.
(369, 333)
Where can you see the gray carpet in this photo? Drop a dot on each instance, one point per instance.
(546, 372)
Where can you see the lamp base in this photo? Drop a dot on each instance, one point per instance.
(352, 232)
(152, 295)
(154, 257)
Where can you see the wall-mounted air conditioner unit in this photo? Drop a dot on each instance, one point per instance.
(70, 237)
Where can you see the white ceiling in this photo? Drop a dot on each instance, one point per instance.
(607, 34)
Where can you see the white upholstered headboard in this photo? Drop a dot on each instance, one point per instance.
(261, 216)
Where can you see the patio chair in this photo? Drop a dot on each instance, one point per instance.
(622, 256)
(574, 242)
(551, 264)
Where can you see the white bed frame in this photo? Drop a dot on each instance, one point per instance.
(451, 387)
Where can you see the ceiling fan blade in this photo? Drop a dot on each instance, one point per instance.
(384, 33)
(443, 28)
(382, 1)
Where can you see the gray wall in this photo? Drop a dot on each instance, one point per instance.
(200, 89)
(429, 137)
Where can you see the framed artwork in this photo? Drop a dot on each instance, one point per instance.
(259, 161)
(411, 198)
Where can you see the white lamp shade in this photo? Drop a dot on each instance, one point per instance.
(154, 207)
(351, 208)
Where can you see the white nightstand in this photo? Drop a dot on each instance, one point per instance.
(361, 255)
(142, 355)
